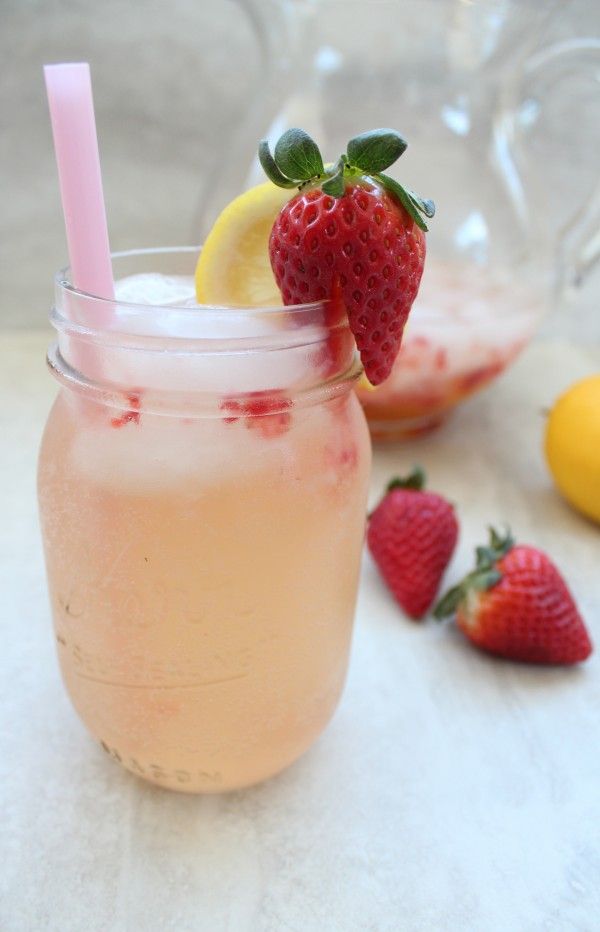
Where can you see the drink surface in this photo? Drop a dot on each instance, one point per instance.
(203, 575)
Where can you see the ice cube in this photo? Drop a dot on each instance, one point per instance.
(155, 289)
(190, 368)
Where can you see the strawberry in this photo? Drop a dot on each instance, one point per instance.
(352, 234)
(267, 412)
(516, 604)
(411, 535)
(132, 414)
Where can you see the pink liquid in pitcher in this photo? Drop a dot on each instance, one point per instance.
(466, 327)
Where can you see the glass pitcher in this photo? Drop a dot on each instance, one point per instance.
(463, 82)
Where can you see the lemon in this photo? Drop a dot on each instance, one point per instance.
(234, 266)
(365, 385)
(573, 445)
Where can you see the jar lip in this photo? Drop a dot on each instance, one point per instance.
(182, 327)
(311, 333)
(63, 284)
(196, 403)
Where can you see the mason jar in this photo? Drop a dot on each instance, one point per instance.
(202, 485)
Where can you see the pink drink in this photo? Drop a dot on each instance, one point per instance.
(466, 327)
(203, 546)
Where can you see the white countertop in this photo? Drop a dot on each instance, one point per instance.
(452, 791)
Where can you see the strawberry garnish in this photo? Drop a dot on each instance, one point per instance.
(352, 234)
(411, 535)
(516, 604)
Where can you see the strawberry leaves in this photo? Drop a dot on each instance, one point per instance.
(270, 167)
(412, 203)
(415, 480)
(484, 576)
(335, 185)
(297, 156)
(297, 162)
(478, 580)
(498, 547)
(376, 150)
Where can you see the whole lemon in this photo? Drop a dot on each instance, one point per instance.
(573, 445)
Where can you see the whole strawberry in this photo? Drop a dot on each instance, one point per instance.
(517, 605)
(412, 534)
(352, 234)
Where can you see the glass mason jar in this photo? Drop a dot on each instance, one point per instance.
(202, 483)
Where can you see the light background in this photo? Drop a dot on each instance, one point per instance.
(172, 83)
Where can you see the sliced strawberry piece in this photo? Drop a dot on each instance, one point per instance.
(268, 412)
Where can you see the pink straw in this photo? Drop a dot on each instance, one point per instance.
(69, 89)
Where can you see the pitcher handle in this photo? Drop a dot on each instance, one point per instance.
(578, 241)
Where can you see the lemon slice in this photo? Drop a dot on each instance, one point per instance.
(234, 266)
(364, 384)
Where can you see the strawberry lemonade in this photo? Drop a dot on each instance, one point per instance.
(203, 475)
(466, 327)
(203, 499)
